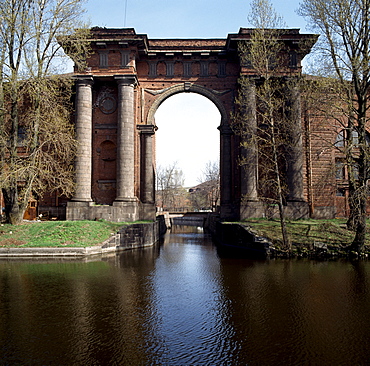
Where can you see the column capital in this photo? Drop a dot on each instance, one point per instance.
(147, 129)
(126, 80)
(225, 129)
(253, 78)
(87, 80)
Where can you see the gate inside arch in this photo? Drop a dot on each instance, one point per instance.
(127, 79)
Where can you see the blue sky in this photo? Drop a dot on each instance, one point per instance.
(187, 123)
(182, 19)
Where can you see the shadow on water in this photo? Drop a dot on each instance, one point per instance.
(180, 303)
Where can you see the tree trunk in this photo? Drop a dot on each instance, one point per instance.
(352, 184)
(359, 240)
(284, 232)
(14, 211)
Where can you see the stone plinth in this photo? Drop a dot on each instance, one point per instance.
(126, 210)
(78, 210)
(296, 210)
(147, 211)
(119, 212)
(251, 209)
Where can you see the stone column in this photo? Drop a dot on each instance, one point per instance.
(295, 156)
(147, 185)
(226, 172)
(126, 203)
(249, 149)
(126, 139)
(147, 176)
(83, 122)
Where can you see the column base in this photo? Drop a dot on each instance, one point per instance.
(294, 210)
(125, 199)
(252, 209)
(76, 199)
(119, 212)
(228, 211)
(126, 210)
(147, 211)
(297, 210)
(78, 210)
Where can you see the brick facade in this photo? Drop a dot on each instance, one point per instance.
(129, 76)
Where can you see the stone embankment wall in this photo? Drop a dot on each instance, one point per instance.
(137, 236)
(231, 236)
(129, 237)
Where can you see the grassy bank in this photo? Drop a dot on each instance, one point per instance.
(305, 234)
(57, 233)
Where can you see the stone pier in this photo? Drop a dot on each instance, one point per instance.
(128, 77)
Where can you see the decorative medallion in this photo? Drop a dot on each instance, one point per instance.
(106, 100)
(108, 104)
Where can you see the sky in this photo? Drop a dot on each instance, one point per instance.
(187, 123)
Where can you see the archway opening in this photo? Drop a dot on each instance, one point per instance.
(188, 148)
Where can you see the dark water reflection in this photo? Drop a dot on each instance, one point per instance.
(181, 304)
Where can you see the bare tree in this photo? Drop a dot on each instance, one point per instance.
(36, 135)
(170, 191)
(209, 193)
(344, 54)
(263, 52)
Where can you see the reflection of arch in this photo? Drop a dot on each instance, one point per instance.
(188, 88)
(107, 161)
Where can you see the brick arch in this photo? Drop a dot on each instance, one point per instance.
(141, 74)
(187, 88)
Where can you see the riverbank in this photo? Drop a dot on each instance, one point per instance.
(325, 238)
(57, 234)
(75, 238)
(310, 238)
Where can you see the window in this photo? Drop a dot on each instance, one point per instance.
(293, 62)
(203, 68)
(222, 69)
(103, 59)
(340, 172)
(170, 68)
(355, 171)
(340, 140)
(355, 138)
(22, 135)
(187, 69)
(125, 58)
(153, 69)
(246, 60)
(341, 192)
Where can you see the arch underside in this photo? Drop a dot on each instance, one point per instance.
(164, 94)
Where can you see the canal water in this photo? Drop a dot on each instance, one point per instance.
(180, 303)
